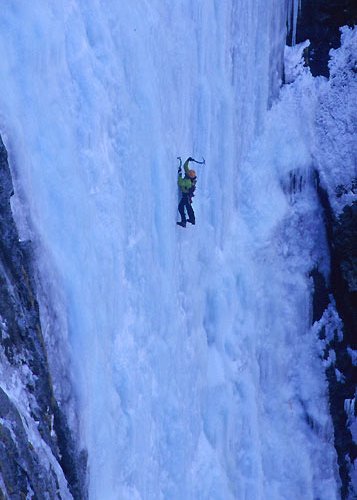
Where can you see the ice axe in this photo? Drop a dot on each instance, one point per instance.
(203, 162)
(179, 169)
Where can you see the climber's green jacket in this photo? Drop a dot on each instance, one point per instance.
(185, 183)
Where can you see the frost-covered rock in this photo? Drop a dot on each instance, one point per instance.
(335, 157)
(329, 107)
(294, 61)
(336, 130)
(320, 22)
(37, 455)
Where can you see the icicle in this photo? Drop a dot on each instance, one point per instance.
(295, 18)
(289, 8)
(293, 11)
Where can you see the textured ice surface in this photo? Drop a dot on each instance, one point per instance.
(196, 370)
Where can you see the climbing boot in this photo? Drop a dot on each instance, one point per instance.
(182, 223)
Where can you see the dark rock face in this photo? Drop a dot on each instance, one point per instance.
(20, 468)
(319, 21)
(345, 252)
(38, 458)
(342, 239)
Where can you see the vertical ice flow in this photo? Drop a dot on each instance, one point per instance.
(190, 348)
(294, 7)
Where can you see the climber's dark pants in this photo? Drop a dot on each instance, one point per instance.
(185, 203)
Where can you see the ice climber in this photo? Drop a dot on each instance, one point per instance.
(187, 185)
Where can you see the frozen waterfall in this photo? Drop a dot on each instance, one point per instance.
(192, 360)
